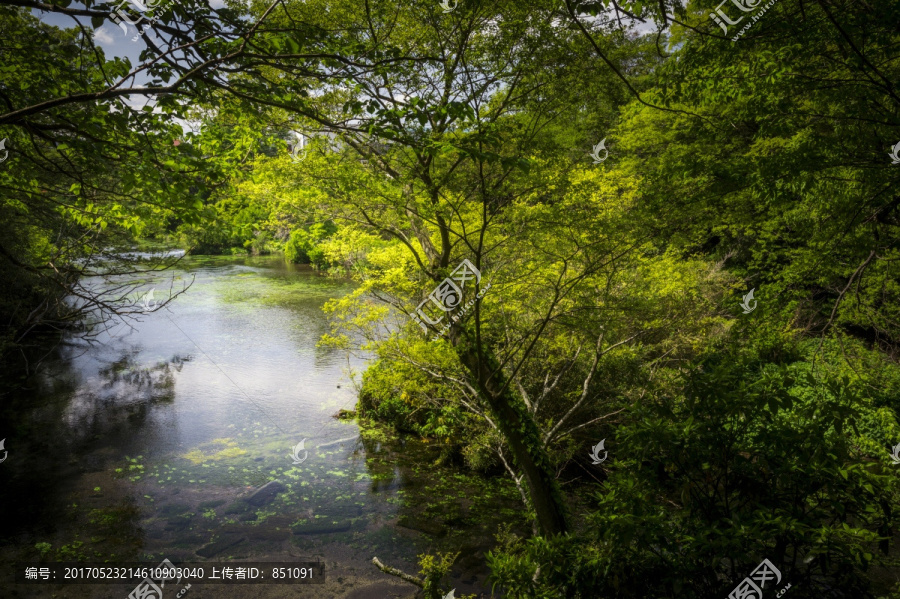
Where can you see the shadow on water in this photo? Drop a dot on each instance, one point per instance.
(174, 440)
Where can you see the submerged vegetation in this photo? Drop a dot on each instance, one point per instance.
(754, 173)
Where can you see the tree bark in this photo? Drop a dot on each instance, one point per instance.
(522, 434)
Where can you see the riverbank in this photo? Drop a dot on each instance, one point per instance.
(152, 443)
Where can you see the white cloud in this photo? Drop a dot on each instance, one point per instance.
(217, 4)
(103, 37)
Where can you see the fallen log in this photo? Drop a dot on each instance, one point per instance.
(398, 573)
(330, 443)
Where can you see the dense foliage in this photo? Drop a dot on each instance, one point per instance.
(611, 290)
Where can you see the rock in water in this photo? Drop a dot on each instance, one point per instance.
(226, 542)
(266, 493)
(321, 529)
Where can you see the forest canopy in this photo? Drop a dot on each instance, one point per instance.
(679, 225)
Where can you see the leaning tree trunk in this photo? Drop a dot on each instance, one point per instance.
(522, 435)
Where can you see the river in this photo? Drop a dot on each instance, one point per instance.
(147, 442)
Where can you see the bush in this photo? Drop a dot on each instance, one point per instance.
(303, 245)
(745, 459)
(397, 394)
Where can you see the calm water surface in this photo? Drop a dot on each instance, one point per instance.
(147, 443)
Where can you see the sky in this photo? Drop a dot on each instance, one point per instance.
(109, 36)
(116, 43)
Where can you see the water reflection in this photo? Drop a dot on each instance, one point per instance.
(154, 441)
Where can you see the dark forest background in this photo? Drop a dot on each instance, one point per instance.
(614, 309)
